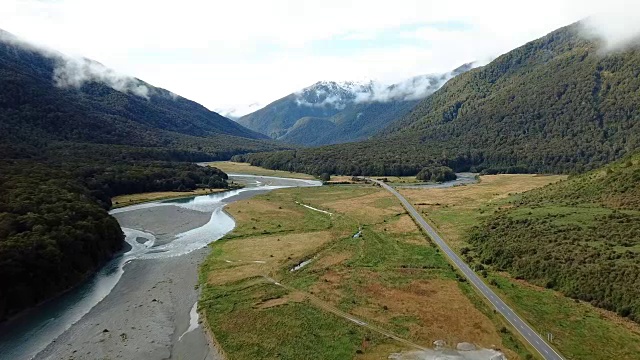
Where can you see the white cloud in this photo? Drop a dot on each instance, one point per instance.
(73, 72)
(239, 52)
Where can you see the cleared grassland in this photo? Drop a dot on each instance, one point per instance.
(132, 199)
(390, 277)
(231, 167)
(580, 330)
(455, 210)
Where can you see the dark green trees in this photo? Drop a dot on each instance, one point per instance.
(53, 234)
(436, 174)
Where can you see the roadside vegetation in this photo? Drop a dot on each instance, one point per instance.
(470, 219)
(580, 237)
(388, 279)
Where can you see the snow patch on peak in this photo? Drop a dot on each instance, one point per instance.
(330, 94)
(338, 95)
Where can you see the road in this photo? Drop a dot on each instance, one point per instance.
(545, 350)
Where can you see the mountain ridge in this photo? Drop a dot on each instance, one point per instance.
(556, 104)
(357, 109)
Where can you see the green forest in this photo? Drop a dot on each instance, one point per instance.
(554, 105)
(64, 152)
(54, 225)
(574, 237)
(436, 174)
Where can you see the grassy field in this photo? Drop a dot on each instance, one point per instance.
(389, 277)
(132, 199)
(231, 167)
(455, 210)
(580, 330)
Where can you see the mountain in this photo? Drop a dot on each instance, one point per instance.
(580, 237)
(321, 100)
(47, 97)
(342, 112)
(73, 134)
(557, 104)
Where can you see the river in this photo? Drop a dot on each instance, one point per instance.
(142, 303)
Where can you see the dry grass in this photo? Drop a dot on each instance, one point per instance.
(231, 167)
(371, 208)
(251, 211)
(132, 199)
(428, 310)
(360, 276)
(244, 258)
(431, 310)
(490, 188)
(454, 210)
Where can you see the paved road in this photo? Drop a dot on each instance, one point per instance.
(529, 334)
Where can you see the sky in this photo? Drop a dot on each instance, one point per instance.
(231, 54)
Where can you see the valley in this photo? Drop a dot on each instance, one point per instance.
(366, 279)
(401, 207)
(139, 305)
(370, 290)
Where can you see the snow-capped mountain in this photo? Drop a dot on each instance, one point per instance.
(332, 94)
(329, 112)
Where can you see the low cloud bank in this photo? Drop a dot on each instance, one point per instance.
(415, 88)
(74, 73)
(618, 27)
(70, 72)
(339, 95)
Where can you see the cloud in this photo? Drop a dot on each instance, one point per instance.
(73, 72)
(223, 54)
(239, 111)
(618, 27)
(338, 95)
(415, 88)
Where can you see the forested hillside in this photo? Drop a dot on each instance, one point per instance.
(580, 236)
(37, 109)
(557, 104)
(66, 150)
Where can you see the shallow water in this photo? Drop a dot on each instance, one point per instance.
(27, 335)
